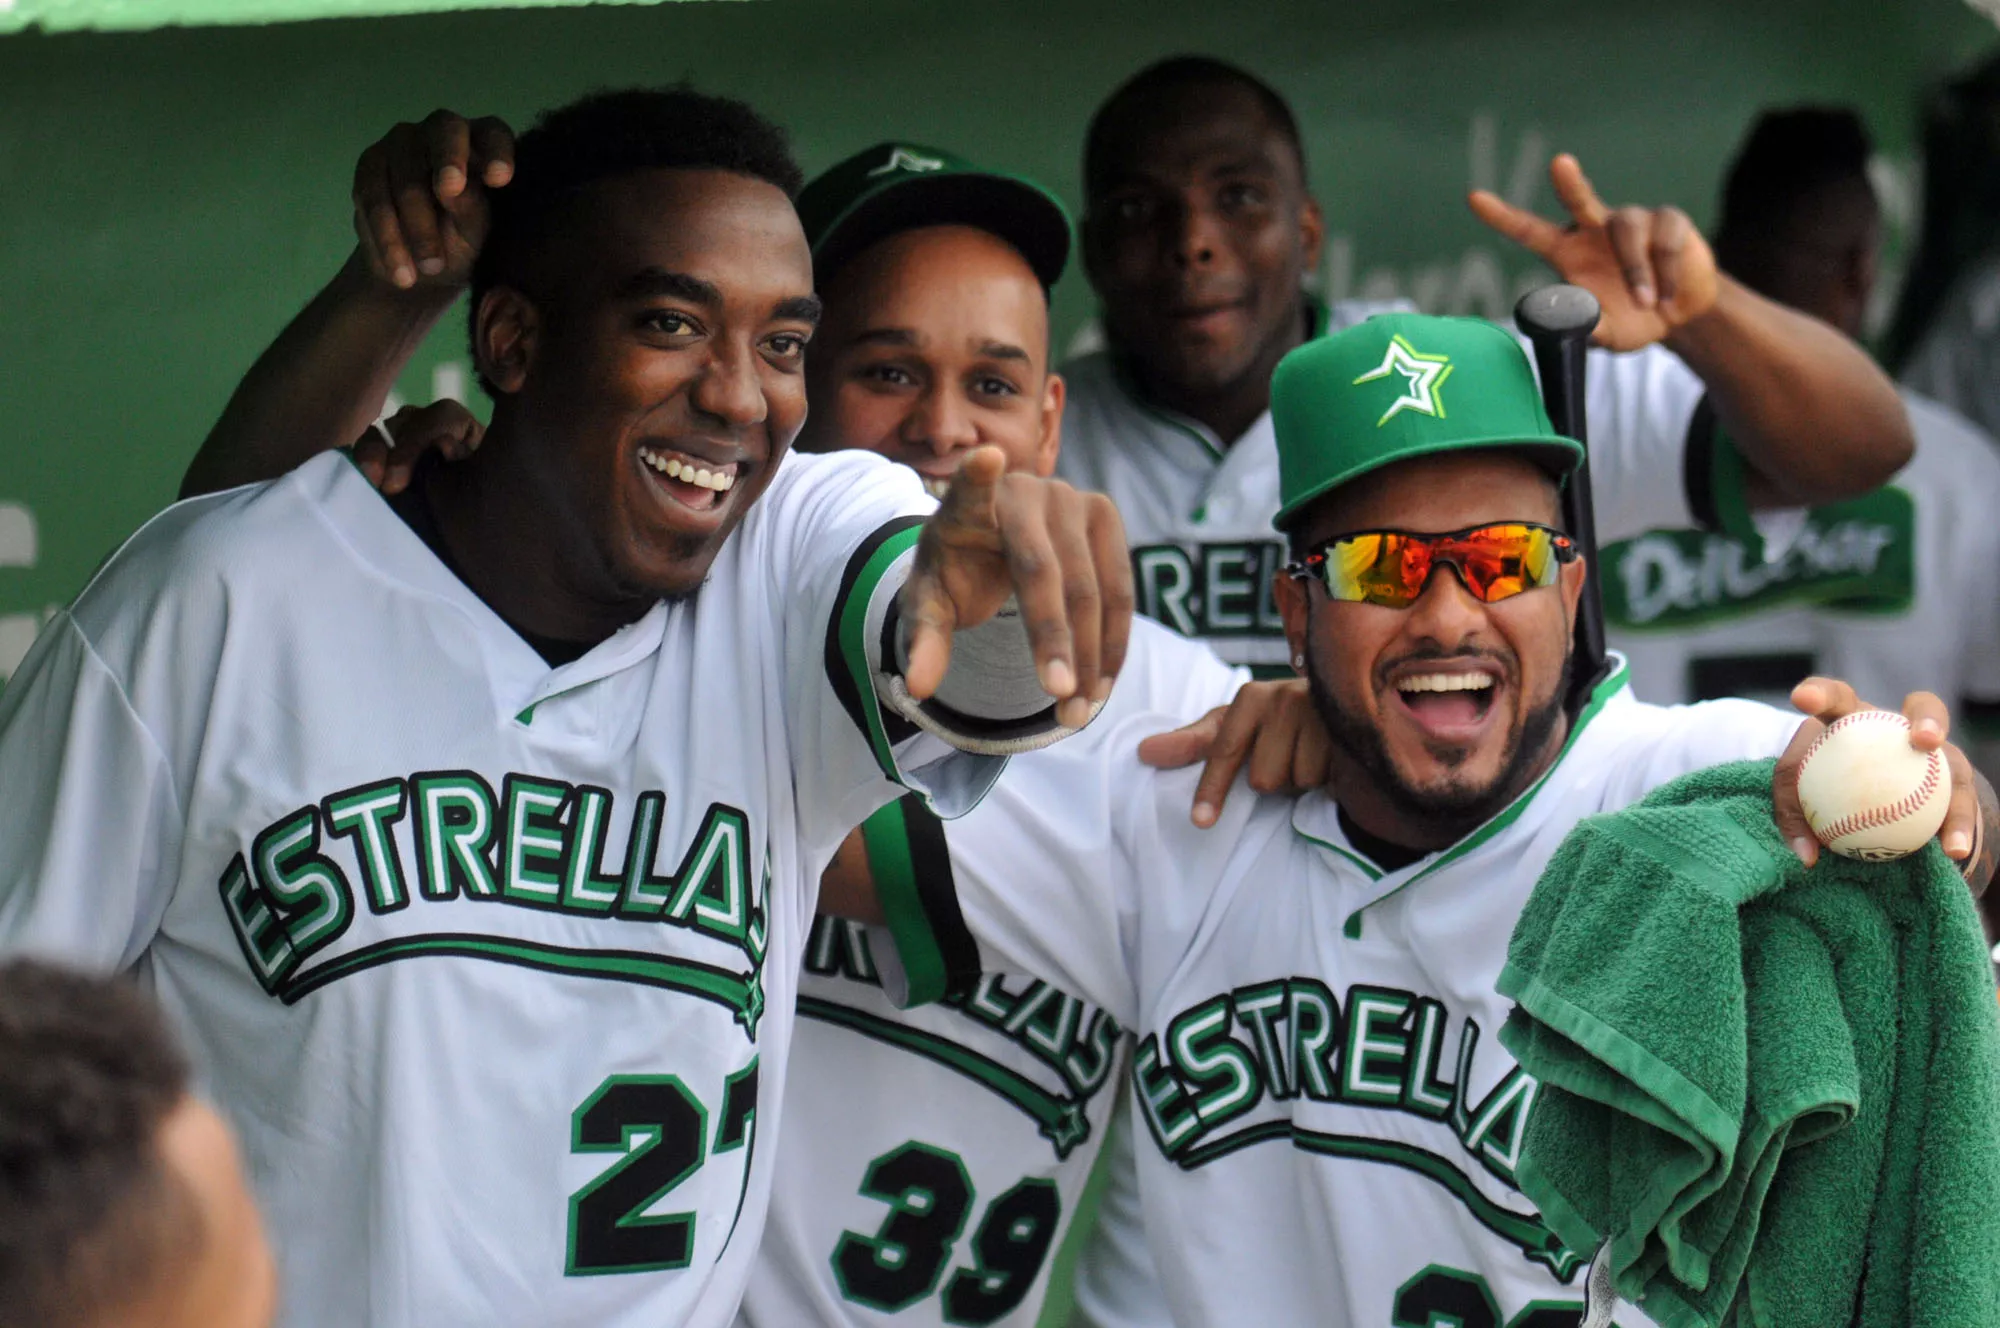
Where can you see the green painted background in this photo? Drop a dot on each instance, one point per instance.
(168, 199)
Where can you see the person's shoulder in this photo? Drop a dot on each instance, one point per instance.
(808, 485)
(222, 541)
(1169, 673)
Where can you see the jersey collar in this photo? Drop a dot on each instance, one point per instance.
(521, 678)
(1317, 820)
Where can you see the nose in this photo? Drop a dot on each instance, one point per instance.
(941, 422)
(1193, 236)
(728, 388)
(1446, 613)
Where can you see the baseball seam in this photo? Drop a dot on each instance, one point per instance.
(1888, 813)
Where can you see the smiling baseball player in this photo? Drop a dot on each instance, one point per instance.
(1198, 232)
(472, 837)
(1330, 1127)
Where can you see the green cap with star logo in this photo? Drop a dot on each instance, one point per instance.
(894, 187)
(1399, 386)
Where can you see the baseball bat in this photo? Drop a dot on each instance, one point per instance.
(1557, 321)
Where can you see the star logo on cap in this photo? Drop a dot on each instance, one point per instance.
(902, 159)
(1422, 376)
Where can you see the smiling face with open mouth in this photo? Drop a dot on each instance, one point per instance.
(1445, 710)
(663, 376)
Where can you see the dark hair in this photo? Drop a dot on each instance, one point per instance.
(608, 134)
(1175, 74)
(89, 1211)
(1787, 166)
(1961, 202)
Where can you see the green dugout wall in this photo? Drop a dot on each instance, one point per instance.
(169, 198)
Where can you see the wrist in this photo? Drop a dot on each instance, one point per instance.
(1703, 328)
(363, 289)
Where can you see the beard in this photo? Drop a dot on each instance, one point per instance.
(1457, 807)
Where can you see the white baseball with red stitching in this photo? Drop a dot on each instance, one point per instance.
(1868, 793)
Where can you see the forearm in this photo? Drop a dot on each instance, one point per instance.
(320, 383)
(1814, 417)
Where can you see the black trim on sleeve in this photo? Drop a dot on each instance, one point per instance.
(1698, 466)
(937, 890)
(844, 684)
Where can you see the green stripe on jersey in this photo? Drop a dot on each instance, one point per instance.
(849, 635)
(741, 993)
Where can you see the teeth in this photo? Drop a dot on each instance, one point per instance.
(721, 481)
(1445, 682)
(936, 485)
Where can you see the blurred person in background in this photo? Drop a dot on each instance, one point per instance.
(1897, 591)
(1199, 233)
(122, 1201)
(1945, 339)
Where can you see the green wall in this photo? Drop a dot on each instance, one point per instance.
(168, 199)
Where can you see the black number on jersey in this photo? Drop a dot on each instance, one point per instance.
(1441, 1297)
(1007, 1253)
(607, 1232)
(929, 1194)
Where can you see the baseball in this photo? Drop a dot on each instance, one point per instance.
(1868, 793)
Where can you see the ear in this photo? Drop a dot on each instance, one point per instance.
(1054, 390)
(505, 336)
(1312, 228)
(1574, 575)
(1291, 594)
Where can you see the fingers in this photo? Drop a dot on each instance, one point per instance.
(1630, 231)
(973, 498)
(1826, 699)
(1069, 533)
(376, 220)
(1785, 807)
(1116, 596)
(1036, 571)
(1673, 235)
(411, 191)
(929, 618)
(1961, 817)
(493, 150)
(1573, 189)
(449, 141)
(1930, 720)
(1538, 235)
(1185, 745)
(371, 456)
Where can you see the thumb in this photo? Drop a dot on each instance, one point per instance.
(1185, 745)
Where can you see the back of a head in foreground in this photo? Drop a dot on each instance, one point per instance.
(97, 1225)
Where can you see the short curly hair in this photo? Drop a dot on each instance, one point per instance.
(90, 1213)
(608, 134)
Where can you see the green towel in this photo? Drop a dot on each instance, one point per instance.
(1775, 1092)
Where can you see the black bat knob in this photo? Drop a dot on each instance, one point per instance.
(1557, 311)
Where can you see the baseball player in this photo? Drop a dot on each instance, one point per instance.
(472, 837)
(1329, 1126)
(1896, 591)
(1198, 232)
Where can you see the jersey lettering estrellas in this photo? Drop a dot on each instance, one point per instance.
(1198, 513)
(491, 966)
(1330, 1126)
(933, 1158)
(1894, 592)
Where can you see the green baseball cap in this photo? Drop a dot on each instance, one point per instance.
(895, 187)
(1399, 386)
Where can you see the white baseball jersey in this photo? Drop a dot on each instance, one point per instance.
(492, 966)
(1894, 592)
(933, 1158)
(1198, 513)
(1330, 1126)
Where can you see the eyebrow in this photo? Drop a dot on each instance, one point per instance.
(655, 283)
(903, 338)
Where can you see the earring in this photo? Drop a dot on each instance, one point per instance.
(1298, 661)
